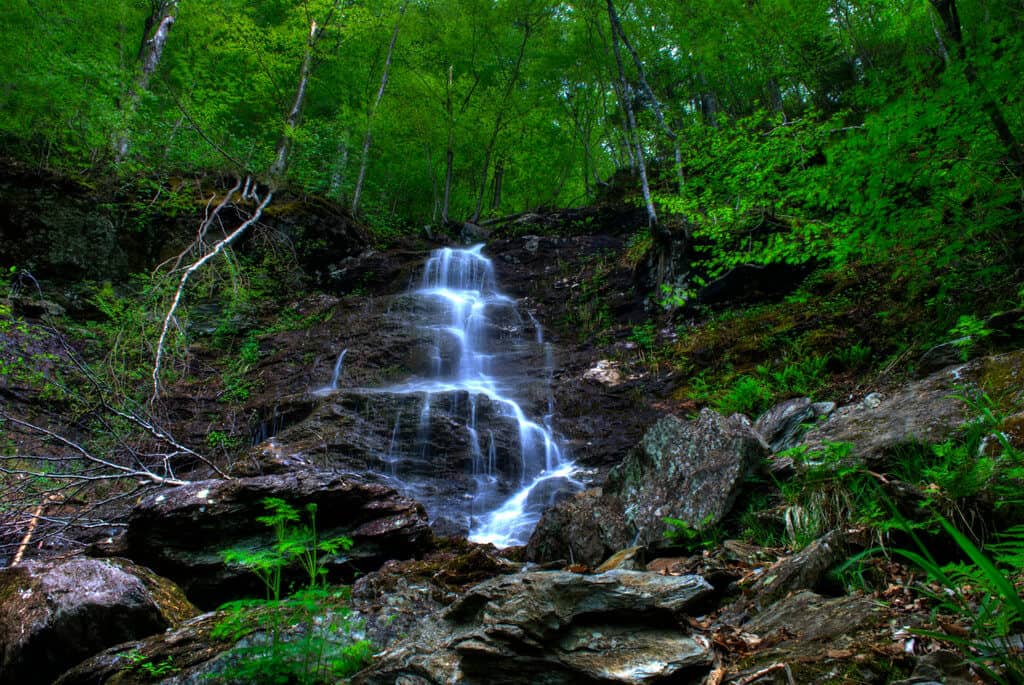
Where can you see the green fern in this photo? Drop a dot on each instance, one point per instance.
(982, 593)
(305, 638)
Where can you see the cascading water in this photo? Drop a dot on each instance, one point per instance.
(512, 482)
(335, 376)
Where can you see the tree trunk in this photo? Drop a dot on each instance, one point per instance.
(449, 152)
(613, 17)
(499, 174)
(951, 20)
(499, 120)
(154, 47)
(162, 15)
(433, 186)
(631, 134)
(373, 111)
(284, 143)
(338, 175)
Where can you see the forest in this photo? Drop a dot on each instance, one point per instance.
(500, 341)
(774, 130)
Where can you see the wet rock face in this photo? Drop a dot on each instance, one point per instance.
(395, 599)
(196, 657)
(182, 532)
(35, 211)
(53, 615)
(556, 627)
(427, 456)
(686, 470)
(599, 421)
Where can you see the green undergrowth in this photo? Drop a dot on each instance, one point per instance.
(844, 329)
(950, 511)
(306, 636)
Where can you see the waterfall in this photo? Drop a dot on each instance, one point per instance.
(337, 370)
(513, 486)
(335, 375)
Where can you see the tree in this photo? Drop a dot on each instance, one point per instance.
(161, 17)
(368, 138)
(947, 11)
(526, 22)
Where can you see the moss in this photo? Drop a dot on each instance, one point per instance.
(1002, 379)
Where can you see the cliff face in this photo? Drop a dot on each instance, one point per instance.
(62, 229)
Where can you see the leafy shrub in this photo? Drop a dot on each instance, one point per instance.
(854, 356)
(804, 377)
(832, 492)
(644, 336)
(691, 538)
(308, 637)
(969, 331)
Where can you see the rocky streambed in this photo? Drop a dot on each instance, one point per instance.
(599, 594)
(592, 599)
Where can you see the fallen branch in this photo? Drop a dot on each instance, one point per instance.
(113, 470)
(147, 424)
(27, 538)
(753, 677)
(189, 270)
(208, 219)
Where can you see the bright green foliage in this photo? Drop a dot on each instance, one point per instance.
(854, 356)
(979, 463)
(832, 491)
(308, 636)
(806, 132)
(752, 394)
(151, 670)
(969, 331)
(748, 395)
(682, 534)
(980, 591)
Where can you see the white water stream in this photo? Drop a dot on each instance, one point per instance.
(462, 283)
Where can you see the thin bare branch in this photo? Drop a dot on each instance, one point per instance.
(180, 291)
(117, 470)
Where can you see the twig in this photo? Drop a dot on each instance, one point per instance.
(118, 471)
(198, 129)
(778, 666)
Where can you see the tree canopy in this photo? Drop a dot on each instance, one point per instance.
(777, 130)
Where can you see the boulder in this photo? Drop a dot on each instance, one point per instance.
(784, 424)
(924, 411)
(189, 653)
(630, 559)
(54, 614)
(806, 616)
(556, 627)
(807, 638)
(686, 470)
(394, 600)
(181, 532)
(584, 529)
(472, 233)
(604, 372)
(212, 647)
